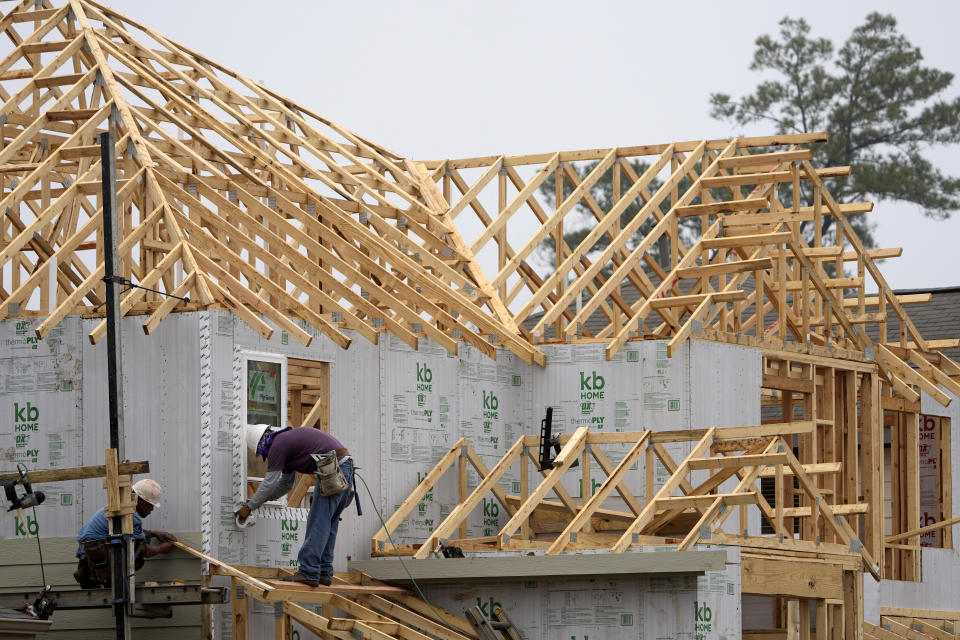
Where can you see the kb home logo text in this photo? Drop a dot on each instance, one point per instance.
(25, 417)
(26, 421)
(424, 377)
(591, 386)
(490, 405)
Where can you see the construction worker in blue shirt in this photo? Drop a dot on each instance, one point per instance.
(93, 569)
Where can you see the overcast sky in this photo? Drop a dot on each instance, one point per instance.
(453, 79)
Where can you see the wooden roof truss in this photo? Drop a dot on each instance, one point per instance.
(745, 274)
(227, 193)
(683, 512)
(235, 196)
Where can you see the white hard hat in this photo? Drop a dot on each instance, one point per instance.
(148, 490)
(254, 433)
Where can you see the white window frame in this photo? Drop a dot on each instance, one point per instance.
(262, 356)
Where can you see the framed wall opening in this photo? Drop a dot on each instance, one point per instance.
(280, 391)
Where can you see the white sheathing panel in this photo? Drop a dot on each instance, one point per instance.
(871, 599)
(429, 399)
(939, 590)
(418, 421)
(355, 420)
(59, 387)
(628, 393)
(724, 384)
(161, 413)
(705, 384)
(724, 391)
(682, 607)
(931, 407)
(493, 400)
(276, 537)
(41, 384)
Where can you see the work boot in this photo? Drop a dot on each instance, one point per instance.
(302, 579)
(326, 581)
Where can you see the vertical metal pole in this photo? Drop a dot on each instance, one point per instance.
(119, 553)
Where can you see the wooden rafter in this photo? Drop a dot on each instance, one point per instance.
(236, 196)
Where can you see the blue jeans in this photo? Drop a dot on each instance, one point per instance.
(316, 554)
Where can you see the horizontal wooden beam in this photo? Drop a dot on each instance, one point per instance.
(77, 473)
(730, 242)
(752, 159)
(846, 256)
(722, 268)
(71, 114)
(786, 383)
(779, 577)
(685, 502)
(713, 208)
(38, 15)
(728, 462)
(816, 468)
(838, 510)
(910, 298)
(803, 214)
(743, 179)
(697, 298)
(629, 152)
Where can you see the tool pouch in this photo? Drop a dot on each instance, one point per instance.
(98, 560)
(332, 480)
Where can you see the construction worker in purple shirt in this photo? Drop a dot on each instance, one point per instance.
(93, 567)
(311, 451)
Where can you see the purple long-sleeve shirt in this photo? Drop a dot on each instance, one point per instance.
(290, 453)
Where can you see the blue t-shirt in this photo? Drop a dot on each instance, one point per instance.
(98, 528)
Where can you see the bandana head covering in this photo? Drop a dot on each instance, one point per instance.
(263, 447)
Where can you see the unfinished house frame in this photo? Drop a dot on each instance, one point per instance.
(232, 197)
